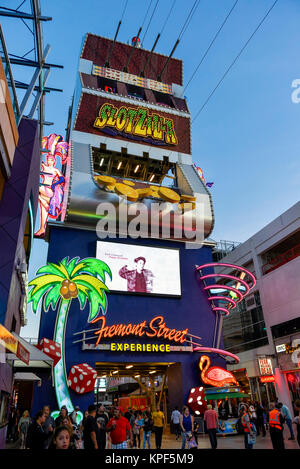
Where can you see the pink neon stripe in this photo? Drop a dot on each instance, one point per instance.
(217, 350)
(236, 279)
(221, 309)
(229, 265)
(224, 287)
(228, 300)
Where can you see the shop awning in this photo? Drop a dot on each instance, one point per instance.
(38, 359)
(26, 377)
(12, 343)
(223, 395)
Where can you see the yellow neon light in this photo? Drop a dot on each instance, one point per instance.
(121, 347)
(137, 122)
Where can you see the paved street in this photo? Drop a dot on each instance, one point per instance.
(224, 442)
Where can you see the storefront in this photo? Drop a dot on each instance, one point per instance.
(151, 334)
(288, 356)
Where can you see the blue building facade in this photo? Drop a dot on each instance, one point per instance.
(130, 143)
(192, 310)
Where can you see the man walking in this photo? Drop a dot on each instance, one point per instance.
(212, 423)
(245, 419)
(159, 423)
(285, 412)
(175, 419)
(48, 426)
(276, 426)
(102, 420)
(118, 426)
(90, 429)
(36, 436)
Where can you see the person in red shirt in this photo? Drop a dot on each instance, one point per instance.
(118, 426)
(212, 422)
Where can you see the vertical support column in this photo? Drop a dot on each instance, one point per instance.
(175, 386)
(282, 388)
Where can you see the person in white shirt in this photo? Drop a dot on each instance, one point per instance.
(175, 419)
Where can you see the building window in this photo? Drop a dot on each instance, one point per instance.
(136, 92)
(286, 328)
(107, 85)
(164, 99)
(281, 254)
(244, 329)
(13, 325)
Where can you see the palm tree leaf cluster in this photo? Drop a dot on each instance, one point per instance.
(88, 275)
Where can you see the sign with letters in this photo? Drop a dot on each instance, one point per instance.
(139, 122)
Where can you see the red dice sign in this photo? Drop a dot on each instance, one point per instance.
(50, 348)
(82, 378)
(196, 400)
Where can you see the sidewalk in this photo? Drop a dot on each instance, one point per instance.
(224, 442)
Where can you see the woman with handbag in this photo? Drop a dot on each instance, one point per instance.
(187, 425)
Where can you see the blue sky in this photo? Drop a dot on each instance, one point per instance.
(246, 139)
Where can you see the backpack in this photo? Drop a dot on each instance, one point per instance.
(239, 426)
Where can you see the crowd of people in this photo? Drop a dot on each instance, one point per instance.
(103, 428)
(100, 428)
(256, 419)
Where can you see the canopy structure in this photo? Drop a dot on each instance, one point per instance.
(26, 377)
(223, 395)
(38, 359)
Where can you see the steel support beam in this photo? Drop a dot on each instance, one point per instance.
(31, 63)
(38, 96)
(32, 84)
(23, 15)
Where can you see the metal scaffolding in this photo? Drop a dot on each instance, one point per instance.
(36, 88)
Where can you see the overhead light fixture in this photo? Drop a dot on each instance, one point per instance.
(102, 161)
(152, 177)
(136, 168)
(119, 165)
(151, 372)
(116, 371)
(137, 376)
(128, 366)
(103, 376)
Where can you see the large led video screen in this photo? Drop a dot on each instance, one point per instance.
(141, 269)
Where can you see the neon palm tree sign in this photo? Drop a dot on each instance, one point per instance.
(57, 285)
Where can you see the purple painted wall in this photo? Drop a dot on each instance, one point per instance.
(22, 186)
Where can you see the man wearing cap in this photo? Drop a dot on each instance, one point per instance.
(138, 279)
(118, 426)
(90, 429)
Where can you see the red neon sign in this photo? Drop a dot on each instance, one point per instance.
(157, 328)
(267, 379)
(215, 375)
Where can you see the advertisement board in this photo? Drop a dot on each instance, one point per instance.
(108, 117)
(141, 269)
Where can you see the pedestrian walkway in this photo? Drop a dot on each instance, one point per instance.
(224, 442)
(227, 442)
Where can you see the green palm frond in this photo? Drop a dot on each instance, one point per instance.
(94, 289)
(69, 265)
(89, 276)
(92, 267)
(53, 276)
(64, 267)
(37, 296)
(52, 269)
(52, 297)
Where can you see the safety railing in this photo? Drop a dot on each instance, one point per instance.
(281, 259)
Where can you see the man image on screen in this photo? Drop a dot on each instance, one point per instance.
(138, 279)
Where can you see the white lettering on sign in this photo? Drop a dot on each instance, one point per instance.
(265, 366)
(280, 348)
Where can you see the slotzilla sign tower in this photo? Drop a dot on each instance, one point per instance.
(134, 200)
